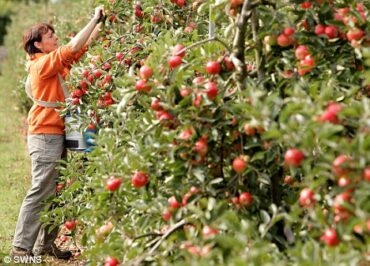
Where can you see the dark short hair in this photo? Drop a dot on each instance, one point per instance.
(34, 34)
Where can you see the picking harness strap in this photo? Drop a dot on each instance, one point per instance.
(44, 103)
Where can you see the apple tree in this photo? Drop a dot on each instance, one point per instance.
(229, 133)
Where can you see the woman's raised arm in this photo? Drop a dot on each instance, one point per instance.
(94, 34)
(83, 36)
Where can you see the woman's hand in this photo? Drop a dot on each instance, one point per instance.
(83, 36)
(99, 13)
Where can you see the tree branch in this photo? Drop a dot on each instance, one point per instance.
(148, 234)
(159, 242)
(222, 156)
(239, 43)
(204, 41)
(258, 50)
(167, 234)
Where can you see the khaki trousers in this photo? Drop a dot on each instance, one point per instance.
(45, 151)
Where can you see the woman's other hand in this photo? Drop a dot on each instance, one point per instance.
(83, 36)
(99, 13)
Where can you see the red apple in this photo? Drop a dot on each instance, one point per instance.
(235, 200)
(341, 199)
(331, 31)
(344, 181)
(334, 108)
(113, 18)
(308, 62)
(156, 104)
(344, 11)
(366, 174)
(212, 89)
(85, 73)
(84, 84)
(155, 19)
(139, 179)
(329, 117)
(288, 31)
(178, 50)
(287, 74)
(105, 229)
(355, 34)
(239, 164)
(236, 3)
(320, 29)
(208, 231)
(198, 100)
(107, 78)
(97, 73)
(198, 80)
(245, 199)
(139, 28)
(106, 66)
(288, 180)
(194, 190)
(59, 187)
(340, 165)
(185, 91)
(166, 215)
(164, 118)
(174, 61)
(139, 13)
(213, 67)
(186, 134)
(284, 40)
(108, 102)
(113, 183)
(301, 52)
(249, 130)
(107, 95)
(229, 64)
(180, 3)
(119, 56)
(293, 157)
(77, 93)
(63, 238)
(111, 261)
(70, 225)
(303, 71)
(306, 5)
(201, 147)
(306, 198)
(172, 201)
(91, 78)
(330, 237)
(75, 101)
(185, 199)
(146, 72)
(142, 85)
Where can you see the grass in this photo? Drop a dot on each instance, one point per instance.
(15, 169)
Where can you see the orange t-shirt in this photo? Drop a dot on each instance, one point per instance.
(44, 70)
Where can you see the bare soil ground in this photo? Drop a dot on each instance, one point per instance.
(2, 55)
